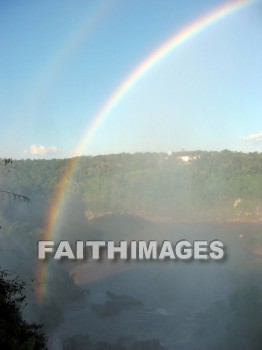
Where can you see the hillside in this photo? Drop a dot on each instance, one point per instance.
(179, 186)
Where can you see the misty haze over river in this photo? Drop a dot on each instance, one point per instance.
(137, 305)
(174, 294)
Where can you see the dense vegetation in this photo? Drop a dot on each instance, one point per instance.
(15, 332)
(180, 186)
(209, 185)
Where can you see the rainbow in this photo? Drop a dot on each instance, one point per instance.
(155, 57)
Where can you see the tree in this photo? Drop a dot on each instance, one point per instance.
(15, 332)
(8, 163)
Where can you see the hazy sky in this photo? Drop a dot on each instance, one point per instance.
(60, 60)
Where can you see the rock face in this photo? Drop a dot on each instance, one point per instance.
(115, 304)
(78, 341)
(82, 342)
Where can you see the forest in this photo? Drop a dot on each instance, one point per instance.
(178, 186)
(161, 196)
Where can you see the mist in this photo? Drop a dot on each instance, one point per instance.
(141, 304)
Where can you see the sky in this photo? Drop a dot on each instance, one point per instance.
(61, 60)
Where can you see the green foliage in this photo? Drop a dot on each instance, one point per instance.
(15, 332)
(153, 184)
